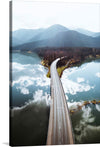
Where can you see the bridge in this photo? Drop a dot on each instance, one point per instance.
(60, 128)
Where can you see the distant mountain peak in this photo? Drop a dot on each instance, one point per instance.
(58, 34)
(57, 26)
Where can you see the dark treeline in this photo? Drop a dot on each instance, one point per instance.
(76, 53)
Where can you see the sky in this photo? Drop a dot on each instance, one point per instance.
(33, 15)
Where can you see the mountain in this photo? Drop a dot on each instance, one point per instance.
(54, 36)
(88, 33)
(29, 35)
(15, 41)
(24, 35)
(96, 34)
(63, 39)
(49, 32)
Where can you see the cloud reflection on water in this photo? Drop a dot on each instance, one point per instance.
(74, 87)
(29, 75)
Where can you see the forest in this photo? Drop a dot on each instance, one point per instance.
(76, 54)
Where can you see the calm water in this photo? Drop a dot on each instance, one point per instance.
(30, 100)
(83, 84)
(29, 80)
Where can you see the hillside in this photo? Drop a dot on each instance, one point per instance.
(88, 33)
(30, 35)
(68, 38)
(24, 35)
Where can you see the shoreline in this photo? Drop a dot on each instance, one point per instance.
(72, 64)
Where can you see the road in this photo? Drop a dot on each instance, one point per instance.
(60, 129)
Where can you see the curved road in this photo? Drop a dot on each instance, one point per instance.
(60, 129)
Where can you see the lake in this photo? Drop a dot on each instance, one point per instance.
(30, 100)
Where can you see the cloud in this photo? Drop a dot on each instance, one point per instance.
(87, 115)
(40, 68)
(84, 122)
(42, 81)
(98, 74)
(25, 81)
(35, 76)
(28, 81)
(70, 71)
(23, 90)
(85, 130)
(19, 67)
(79, 79)
(38, 96)
(33, 69)
(98, 107)
(30, 122)
(36, 73)
(74, 87)
(87, 134)
(74, 105)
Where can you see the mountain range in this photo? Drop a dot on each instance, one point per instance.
(88, 33)
(54, 36)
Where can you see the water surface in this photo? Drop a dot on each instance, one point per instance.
(83, 84)
(30, 100)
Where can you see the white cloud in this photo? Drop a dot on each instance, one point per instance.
(98, 107)
(84, 128)
(85, 131)
(70, 71)
(74, 105)
(39, 99)
(18, 67)
(40, 68)
(36, 73)
(42, 81)
(33, 75)
(98, 74)
(38, 96)
(73, 87)
(24, 91)
(28, 81)
(24, 81)
(79, 79)
(87, 115)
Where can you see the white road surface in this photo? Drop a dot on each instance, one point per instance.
(60, 128)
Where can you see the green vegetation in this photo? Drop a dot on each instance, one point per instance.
(62, 65)
(59, 70)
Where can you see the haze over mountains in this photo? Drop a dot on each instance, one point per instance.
(88, 33)
(54, 36)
